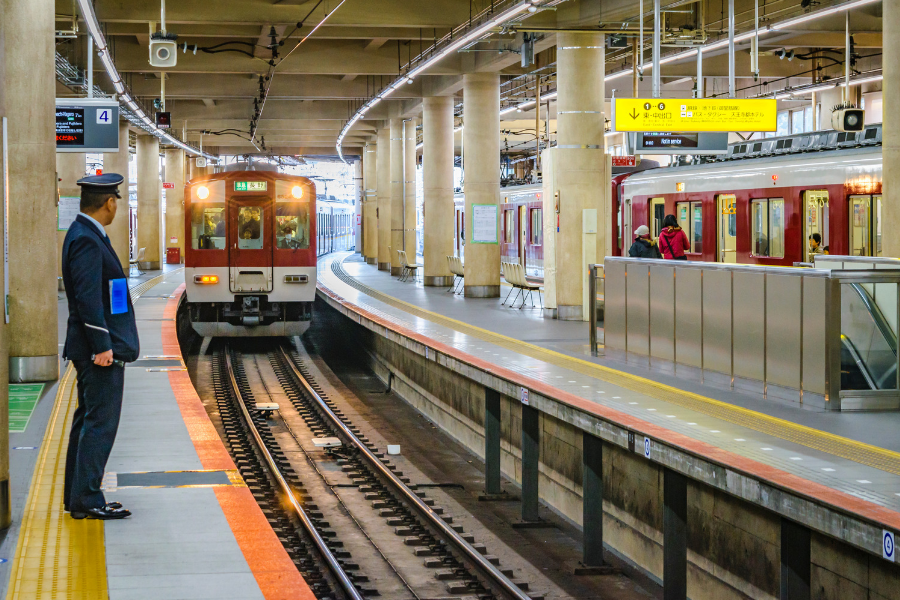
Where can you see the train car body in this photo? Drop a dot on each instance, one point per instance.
(761, 210)
(250, 256)
(334, 226)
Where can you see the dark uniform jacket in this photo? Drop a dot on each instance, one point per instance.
(642, 248)
(88, 264)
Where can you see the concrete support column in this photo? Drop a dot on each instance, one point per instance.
(175, 200)
(409, 190)
(592, 499)
(795, 561)
(397, 186)
(890, 146)
(29, 87)
(383, 188)
(117, 162)
(531, 454)
(370, 205)
(359, 196)
(5, 512)
(481, 138)
(674, 535)
(148, 188)
(575, 173)
(437, 179)
(491, 442)
(70, 167)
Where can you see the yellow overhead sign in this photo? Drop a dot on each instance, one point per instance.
(670, 115)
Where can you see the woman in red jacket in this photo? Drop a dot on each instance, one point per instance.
(673, 242)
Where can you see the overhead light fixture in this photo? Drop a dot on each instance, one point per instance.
(532, 9)
(409, 80)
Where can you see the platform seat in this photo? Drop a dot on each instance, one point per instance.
(458, 270)
(407, 268)
(514, 274)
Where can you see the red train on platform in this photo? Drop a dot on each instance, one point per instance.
(250, 264)
(758, 204)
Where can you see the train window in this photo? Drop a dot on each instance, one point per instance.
(767, 219)
(696, 236)
(509, 224)
(291, 226)
(250, 228)
(208, 226)
(537, 226)
(657, 215)
(690, 219)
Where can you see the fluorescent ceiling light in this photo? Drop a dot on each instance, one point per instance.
(818, 14)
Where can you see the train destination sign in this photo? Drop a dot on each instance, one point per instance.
(87, 125)
(672, 115)
(250, 186)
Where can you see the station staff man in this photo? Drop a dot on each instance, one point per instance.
(101, 337)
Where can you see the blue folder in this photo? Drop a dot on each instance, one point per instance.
(118, 296)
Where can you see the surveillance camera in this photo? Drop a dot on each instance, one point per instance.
(163, 53)
(848, 119)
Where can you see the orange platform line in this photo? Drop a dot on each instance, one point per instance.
(275, 572)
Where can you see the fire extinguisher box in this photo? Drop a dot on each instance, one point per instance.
(173, 256)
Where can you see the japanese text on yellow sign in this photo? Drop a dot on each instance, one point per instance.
(670, 115)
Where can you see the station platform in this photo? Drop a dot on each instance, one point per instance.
(196, 531)
(839, 472)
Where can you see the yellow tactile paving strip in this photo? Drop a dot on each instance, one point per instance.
(57, 557)
(872, 456)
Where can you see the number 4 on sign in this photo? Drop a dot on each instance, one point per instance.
(104, 116)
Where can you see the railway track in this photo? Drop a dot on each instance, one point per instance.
(354, 525)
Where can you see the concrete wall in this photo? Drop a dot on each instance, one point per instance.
(734, 548)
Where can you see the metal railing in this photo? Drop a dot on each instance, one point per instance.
(596, 291)
(788, 334)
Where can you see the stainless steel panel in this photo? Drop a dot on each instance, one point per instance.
(749, 326)
(783, 343)
(614, 307)
(688, 343)
(662, 312)
(637, 284)
(717, 321)
(814, 336)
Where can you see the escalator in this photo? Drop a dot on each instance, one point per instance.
(868, 344)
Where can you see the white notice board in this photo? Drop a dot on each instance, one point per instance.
(484, 223)
(66, 212)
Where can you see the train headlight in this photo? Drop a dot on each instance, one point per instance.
(297, 192)
(206, 279)
(203, 192)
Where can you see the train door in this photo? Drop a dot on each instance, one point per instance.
(250, 245)
(523, 230)
(815, 204)
(657, 215)
(626, 231)
(726, 208)
(865, 225)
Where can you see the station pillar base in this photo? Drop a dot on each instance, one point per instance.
(28, 369)
(482, 291)
(371, 260)
(384, 266)
(438, 280)
(5, 512)
(150, 266)
(549, 313)
(396, 270)
(570, 313)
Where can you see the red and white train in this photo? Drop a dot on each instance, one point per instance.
(759, 204)
(762, 209)
(250, 261)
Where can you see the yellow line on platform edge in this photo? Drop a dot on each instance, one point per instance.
(57, 556)
(866, 454)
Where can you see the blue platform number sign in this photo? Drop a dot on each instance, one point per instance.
(104, 116)
(647, 447)
(887, 545)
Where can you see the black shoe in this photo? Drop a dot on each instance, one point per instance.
(104, 513)
(109, 504)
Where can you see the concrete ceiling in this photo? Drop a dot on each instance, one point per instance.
(363, 45)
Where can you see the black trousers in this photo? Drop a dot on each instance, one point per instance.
(94, 428)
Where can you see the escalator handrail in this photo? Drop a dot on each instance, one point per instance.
(859, 361)
(877, 316)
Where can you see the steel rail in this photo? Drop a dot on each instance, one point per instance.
(408, 495)
(317, 539)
